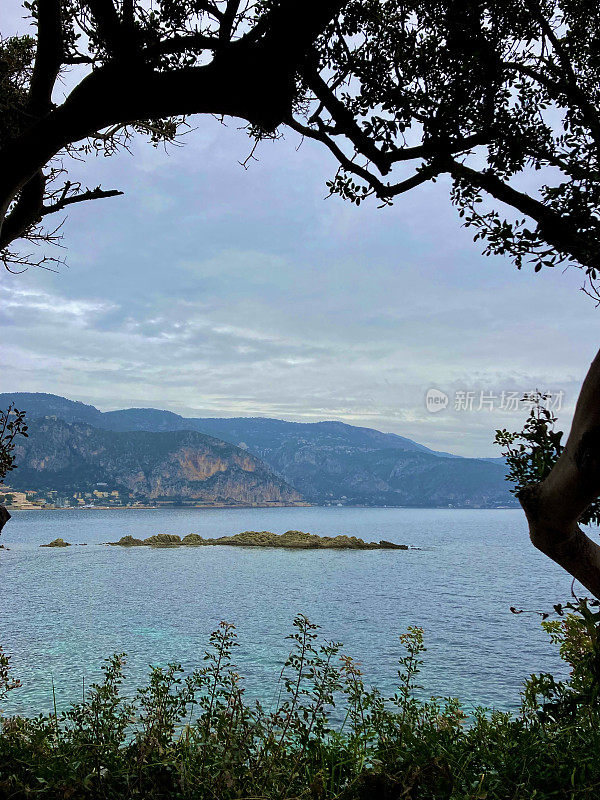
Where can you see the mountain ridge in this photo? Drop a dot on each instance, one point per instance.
(327, 462)
(131, 419)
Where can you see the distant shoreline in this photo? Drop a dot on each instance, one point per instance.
(10, 509)
(262, 507)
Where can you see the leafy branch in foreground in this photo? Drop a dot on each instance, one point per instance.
(7, 683)
(328, 737)
(12, 425)
(531, 453)
(483, 91)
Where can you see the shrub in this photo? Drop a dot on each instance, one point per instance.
(6, 682)
(328, 736)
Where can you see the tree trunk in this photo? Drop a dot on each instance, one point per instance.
(4, 517)
(554, 506)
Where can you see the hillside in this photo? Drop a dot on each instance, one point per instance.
(326, 462)
(175, 466)
(256, 433)
(392, 477)
(260, 433)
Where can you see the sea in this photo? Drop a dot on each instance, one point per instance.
(63, 611)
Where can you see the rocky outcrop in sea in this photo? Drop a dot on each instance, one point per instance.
(297, 540)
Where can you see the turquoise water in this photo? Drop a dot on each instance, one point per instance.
(64, 610)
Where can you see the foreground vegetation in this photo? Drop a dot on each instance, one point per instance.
(329, 735)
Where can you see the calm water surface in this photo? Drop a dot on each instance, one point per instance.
(63, 611)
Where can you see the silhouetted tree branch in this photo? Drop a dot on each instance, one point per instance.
(146, 72)
(482, 91)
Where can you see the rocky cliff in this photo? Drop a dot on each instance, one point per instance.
(179, 465)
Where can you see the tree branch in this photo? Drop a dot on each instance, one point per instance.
(179, 44)
(256, 81)
(90, 194)
(431, 147)
(318, 135)
(4, 517)
(346, 124)
(345, 121)
(48, 57)
(572, 87)
(227, 20)
(108, 24)
(128, 13)
(211, 9)
(30, 208)
(551, 224)
(26, 211)
(384, 191)
(554, 506)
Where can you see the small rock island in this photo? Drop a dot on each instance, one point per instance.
(290, 539)
(57, 543)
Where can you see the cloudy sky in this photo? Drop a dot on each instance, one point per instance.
(214, 290)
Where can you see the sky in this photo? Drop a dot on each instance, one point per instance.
(210, 289)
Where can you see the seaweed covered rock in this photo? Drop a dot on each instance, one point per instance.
(57, 543)
(163, 540)
(300, 540)
(249, 539)
(297, 540)
(159, 540)
(128, 541)
(193, 539)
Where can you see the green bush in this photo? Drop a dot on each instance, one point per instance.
(329, 735)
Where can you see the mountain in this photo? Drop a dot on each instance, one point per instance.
(257, 433)
(395, 478)
(326, 462)
(173, 466)
(39, 404)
